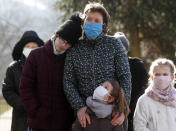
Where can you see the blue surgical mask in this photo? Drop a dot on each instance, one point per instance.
(92, 29)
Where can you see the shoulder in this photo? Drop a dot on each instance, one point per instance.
(13, 64)
(37, 50)
(144, 100)
(112, 39)
(71, 51)
(114, 44)
(35, 54)
(136, 60)
(136, 63)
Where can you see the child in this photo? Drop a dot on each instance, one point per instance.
(107, 100)
(156, 108)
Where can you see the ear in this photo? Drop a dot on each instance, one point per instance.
(172, 77)
(104, 27)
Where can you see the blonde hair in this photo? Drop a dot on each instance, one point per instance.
(161, 61)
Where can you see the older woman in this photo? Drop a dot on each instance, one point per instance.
(10, 90)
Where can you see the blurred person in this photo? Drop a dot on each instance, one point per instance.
(10, 90)
(41, 86)
(139, 77)
(156, 108)
(96, 58)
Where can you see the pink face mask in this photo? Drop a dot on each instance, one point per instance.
(162, 82)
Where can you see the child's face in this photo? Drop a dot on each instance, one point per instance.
(162, 76)
(109, 87)
(161, 70)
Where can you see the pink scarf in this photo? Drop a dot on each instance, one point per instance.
(166, 97)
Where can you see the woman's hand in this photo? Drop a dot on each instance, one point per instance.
(83, 116)
(118, 119)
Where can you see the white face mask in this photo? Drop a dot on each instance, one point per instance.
(56, 52)
(99, 93)
(26, 51)
(162, 82)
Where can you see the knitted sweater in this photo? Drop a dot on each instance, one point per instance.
(90, 63)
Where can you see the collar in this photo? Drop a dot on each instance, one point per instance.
(93, 42)
(55, 51)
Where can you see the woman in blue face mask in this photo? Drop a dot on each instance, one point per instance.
(96, 58)
(95, 22)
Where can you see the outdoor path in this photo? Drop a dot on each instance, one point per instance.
(5, 120)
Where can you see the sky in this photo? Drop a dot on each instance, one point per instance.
(18, 16)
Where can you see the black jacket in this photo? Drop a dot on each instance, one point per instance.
(10, 92)
(139, 80)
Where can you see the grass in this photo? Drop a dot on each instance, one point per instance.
(3, 106)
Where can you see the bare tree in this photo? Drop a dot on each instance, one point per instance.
(15, 18)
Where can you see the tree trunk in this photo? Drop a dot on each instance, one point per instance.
(135, 50)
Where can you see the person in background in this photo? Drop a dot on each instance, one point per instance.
(139, 77)
(156, 108)
(41, 86)
(10, 90)
(96, 58)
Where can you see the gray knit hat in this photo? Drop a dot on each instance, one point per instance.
(123, 39)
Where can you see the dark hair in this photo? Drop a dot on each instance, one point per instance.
(121, 105)
(97, 7)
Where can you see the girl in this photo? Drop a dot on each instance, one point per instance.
(156, 108)
(107, 100)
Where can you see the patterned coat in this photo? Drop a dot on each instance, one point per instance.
(90, 63)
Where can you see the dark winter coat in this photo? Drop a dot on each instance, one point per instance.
(90, 63)
(97, 124)
(42, 91)
(10, 92)
(139, 81)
